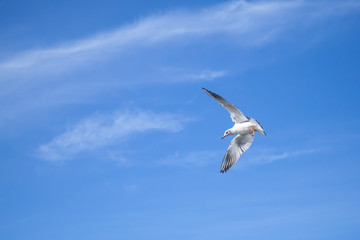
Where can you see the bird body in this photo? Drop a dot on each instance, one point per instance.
(244, 128)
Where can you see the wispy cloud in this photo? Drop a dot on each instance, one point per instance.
(114, 59)
(289, 154)
(207, 75)
(178, 75)
(267, 156)
(249, 22)
(207, 157)
(191, 159)
(104, 130)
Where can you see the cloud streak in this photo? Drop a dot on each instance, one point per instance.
(104, 130)
(249, 22)
(268, 156)
(207, 75)
(181, 75)
(208, 157)
(191, 159)
(151, 50)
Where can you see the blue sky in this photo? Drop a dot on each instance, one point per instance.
(106, 133)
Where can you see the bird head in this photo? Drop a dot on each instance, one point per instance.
(227, 133)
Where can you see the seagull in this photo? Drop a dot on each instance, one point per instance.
(244, 128)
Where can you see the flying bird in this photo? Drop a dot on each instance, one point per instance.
(244, 128)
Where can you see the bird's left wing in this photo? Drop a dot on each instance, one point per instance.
(238, 145)
(236, 114)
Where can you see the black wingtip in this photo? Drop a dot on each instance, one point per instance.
(214, 95)
(223, 170)
(209, 92)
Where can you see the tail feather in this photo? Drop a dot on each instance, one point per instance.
(259, 128)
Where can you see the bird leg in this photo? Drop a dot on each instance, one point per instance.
(252, 129)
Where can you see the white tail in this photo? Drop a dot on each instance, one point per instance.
(258, 127)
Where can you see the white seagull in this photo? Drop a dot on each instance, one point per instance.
(244, 128)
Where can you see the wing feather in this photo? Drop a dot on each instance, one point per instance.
(238, 145)
(235, 113)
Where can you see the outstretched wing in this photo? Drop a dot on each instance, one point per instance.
(236, 115)
(238, 145)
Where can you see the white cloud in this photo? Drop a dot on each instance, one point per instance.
(181, 75)
(267, 156)
(207, 75)
(250, 22)
(117, 156)
(206, 157)
(32, 80)
(191, 159)
(104, 130)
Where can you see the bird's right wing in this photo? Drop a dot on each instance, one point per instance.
(238, 145)
(236, 115)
